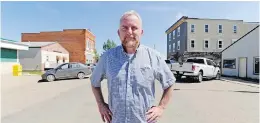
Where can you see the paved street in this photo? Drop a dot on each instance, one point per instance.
(24, 100)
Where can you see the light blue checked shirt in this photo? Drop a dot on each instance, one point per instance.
(131, 80)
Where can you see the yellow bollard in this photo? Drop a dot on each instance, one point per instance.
(17, 70)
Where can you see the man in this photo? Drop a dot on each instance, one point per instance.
(130, 70)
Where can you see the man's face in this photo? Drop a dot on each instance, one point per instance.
(130, 31)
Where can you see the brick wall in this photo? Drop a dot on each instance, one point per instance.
(73, 40)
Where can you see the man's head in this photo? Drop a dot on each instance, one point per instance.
(130, 30)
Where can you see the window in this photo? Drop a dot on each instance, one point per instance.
(220, 44)
(173, 47)
(235, 29)
(170, 48)
(192, 43)
(179, 31)
(206, 28)
(233, 40)
(173, 34)
(206, 44)
(192, 28)
(178, 45)
(256, 65)
(220, 29)
(74, 65)
(170, 36)
(209, 63)
(65, 66)
(229, 63)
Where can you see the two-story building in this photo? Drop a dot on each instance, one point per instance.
(204, 37)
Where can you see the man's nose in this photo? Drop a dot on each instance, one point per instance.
(129, 31)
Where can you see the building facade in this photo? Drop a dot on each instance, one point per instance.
(10, 54)
(204, 36)
(43, 55)
(241, 59)
(80, 43)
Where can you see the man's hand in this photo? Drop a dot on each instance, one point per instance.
(154, 113)
(105, 112)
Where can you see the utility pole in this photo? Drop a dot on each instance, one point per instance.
(153, 46)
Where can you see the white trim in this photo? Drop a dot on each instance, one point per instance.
(191, 43)
(234, 29)
(173, 34)
(221, 29)
(254, 65)
(191, 28)
(205, 43)
(170, 36)
(205, 28)
(170, 48)
(173, 47)
(221, 44)
(178, 45)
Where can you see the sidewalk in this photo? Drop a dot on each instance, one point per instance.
(240, 81)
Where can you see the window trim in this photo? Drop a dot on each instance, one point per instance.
(254, 65)
(170, 48)
(221, 29)
(178, 31)
(205, 43)
(229, 59)
(205, 28)
(221, 44)
(191, 28)
(178, 46)
(173, 34)
(170, 36)
(191, 43)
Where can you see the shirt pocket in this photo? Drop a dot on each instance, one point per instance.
(147, 73)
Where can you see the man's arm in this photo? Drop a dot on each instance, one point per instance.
(96, 78)
(166, 97)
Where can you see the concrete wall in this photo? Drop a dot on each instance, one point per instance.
(31, 59)
(247, 47)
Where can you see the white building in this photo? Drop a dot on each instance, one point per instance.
(241, 59)
(43, 55)
(9, 54)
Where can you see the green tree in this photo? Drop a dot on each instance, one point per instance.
(108, 45)
(96, 55)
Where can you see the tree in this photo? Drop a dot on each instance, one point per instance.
(96, 55)
(108, 45)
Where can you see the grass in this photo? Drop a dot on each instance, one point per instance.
(37, 72)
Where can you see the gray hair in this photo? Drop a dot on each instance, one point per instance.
(131, 12)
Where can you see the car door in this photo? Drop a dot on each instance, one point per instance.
(210, 68)
(62, 71)
(216, 68)
(74, 69)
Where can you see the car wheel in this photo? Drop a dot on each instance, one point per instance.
(218, 76)
(81, 75)
(50, 78)
(200, 77)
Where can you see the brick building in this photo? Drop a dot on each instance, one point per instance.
(80, 43)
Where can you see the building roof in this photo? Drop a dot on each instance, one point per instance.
(11, 44)
(240, 38)
(38, 44)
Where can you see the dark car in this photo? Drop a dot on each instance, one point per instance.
(67, 70)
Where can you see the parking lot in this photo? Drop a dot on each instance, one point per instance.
(25, 100)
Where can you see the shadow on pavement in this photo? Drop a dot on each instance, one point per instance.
(177, 89)
(44, 81)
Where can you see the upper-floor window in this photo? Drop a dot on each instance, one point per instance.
(170, 48)
(170, 36)
(235, 29)
(206, 44)
(192, 28)
(220, 29)
(173, 34)
(220, 44)
(178, 31)
(173, 47)
(206, 28)
(178, 45)
(192, 43)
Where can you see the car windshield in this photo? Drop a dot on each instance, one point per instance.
(199, 61)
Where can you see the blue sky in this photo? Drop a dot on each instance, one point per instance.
(103, 17)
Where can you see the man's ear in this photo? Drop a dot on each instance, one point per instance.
(142, 32)
(118, 33)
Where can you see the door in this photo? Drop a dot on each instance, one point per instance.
(209, 69)
(62, 71)
(242, 70)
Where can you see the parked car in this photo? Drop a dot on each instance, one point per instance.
(196, 67)
(91, 66)
(170, 62)
(67, 70)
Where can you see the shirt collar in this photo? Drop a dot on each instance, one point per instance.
(137, 49)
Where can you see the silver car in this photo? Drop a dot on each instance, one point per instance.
(67, 70)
